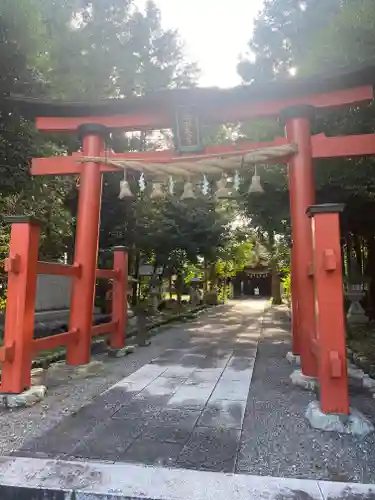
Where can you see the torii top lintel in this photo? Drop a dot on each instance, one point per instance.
(157, 109)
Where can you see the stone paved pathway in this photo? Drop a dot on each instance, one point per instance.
(184, 409)
(216, 398)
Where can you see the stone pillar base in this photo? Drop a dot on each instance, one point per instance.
(63, 371)
(301, 380)
(120, 353)
(294, 359)
(26, 399)
(354, 424)
(144, 343)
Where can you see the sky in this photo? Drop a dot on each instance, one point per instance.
(215, 32)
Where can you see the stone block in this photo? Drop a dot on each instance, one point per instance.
(356, 373)
(61, 370)
(294, 359)
(25, 399)
(121, 353)
(92, 369)
(301, 380)
(368, 383)
(355, 423)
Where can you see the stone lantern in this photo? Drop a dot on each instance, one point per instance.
(355, 293)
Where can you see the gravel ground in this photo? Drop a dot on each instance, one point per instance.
(66, 397)
(278, 441)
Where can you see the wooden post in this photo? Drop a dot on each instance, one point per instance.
(296, 341)
(86, 246)
(21, 266)
(302, 195)
(331, 348)
(119, 297)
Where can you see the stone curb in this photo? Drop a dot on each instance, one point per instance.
(37, 479)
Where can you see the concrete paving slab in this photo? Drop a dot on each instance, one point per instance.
(229, 374)
(166, 434)
(223, 414)
(232, 390)
(191, 396)
(147, 372)
(151, 452)
(103, 481)
(108, 441)
(178, 371)
(204, 376)
(212, 449)
(162, 386)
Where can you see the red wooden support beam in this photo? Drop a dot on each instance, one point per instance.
(222, 113)
(86, 246)
(302, 195)
(333, 377)
(61, 339)
(344, 146)
(104, 328)
(57, 269)
(120, 298)
(7, 353)
(322, 147)
(19, 318)
(107, 274)
(69, 165)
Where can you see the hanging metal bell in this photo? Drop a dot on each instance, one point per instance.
(255, 186)
(125, 191)
(188, 193)
(157, 191)
(222, 191)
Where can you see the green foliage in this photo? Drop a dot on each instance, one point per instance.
(287, 284)
(314, 37)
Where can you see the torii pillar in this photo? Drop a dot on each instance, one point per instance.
(86, 244)
(302, 195)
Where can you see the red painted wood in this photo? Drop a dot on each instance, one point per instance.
(19, 316)
(67, 165)
(302, 195)
(104, 328)
(119, 299)
(322, 147)
(107, 274)
(61, 339)
(57, 269)
(222, 113)
(333, 378)
(296, 341)
(86, 252)
(344, 146)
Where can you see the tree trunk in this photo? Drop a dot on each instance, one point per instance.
(276, 286)
(135, 286)
(205, 278)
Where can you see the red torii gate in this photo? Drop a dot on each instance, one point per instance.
(318, 332)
